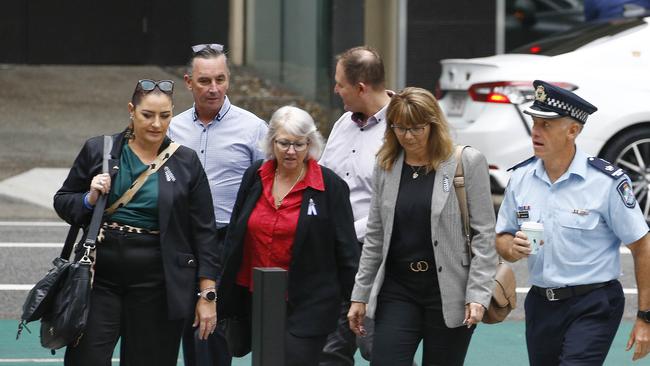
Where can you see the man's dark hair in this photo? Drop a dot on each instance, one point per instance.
(205, 53)
(363, 65)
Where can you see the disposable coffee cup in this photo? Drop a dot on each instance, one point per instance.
(535, 233)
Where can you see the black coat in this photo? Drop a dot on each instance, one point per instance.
(188, 234)
(324, 257)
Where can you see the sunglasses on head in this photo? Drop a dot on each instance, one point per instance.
(165, 86)
(200, 47)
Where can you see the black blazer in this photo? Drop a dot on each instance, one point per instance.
(188, 234)
(324, 257)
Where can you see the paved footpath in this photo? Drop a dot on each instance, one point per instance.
(502, 345)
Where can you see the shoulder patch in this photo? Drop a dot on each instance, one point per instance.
(519, 165)
(626, 193)
(606, 167)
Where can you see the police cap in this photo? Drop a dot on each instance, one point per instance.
(554, 102)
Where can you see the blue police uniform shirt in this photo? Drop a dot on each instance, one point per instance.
(585, 220)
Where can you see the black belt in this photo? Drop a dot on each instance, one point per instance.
(562, 293)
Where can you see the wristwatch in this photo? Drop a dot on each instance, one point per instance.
(208, 294)
(645, 315)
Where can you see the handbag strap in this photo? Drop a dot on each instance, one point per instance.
(461, 195)
(95, 221)
(160, 160)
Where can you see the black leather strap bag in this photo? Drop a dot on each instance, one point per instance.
(42, 294)
(62, 298)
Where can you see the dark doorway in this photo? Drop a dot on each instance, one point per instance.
(107, 32)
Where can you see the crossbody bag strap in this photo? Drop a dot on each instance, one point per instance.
(461, 195)
(95, 221)
(160, 160)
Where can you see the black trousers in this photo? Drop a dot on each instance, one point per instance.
(575, 331)
(408, 313)
(212, 351)
(341, 344)
(303, 351)
(128, 301)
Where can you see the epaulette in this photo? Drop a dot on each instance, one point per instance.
(606, 167)
(525, 162)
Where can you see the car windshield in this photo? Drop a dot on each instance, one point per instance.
(577, 37)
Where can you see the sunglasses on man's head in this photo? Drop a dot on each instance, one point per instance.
(165, 86)
(200, 47)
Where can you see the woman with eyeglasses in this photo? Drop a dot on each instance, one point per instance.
(294, 214)
(155, 242)
(416, 278)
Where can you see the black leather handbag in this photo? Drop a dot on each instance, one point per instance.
(41, 296)
(62, 298)
(65, 321)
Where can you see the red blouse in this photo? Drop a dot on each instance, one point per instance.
(270, 234)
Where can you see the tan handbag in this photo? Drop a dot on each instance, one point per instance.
(504, 296)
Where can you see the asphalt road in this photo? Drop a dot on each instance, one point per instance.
(27, 249)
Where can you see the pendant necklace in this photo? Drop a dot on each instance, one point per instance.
(278, 202)
(416, 172)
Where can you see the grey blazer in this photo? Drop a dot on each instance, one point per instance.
(461, 281)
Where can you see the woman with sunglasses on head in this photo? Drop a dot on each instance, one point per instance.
(152, 249)
(294, 214)
(416, 278)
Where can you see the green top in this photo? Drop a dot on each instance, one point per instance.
(142, 210)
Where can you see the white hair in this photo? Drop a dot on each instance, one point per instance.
(297, 122)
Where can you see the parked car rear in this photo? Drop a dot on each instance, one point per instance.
(607, 63)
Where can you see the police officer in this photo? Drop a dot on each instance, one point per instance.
(587, 208)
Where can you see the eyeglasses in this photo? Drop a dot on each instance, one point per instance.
(200, 47)
(284, 145)
(165, 86)
(415, 131)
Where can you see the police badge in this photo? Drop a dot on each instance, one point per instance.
(540, 93)
(626, 193)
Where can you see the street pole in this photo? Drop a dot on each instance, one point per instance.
(269, 316)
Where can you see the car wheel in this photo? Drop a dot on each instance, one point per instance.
(631, 151)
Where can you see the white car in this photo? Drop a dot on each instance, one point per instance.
(606, 63)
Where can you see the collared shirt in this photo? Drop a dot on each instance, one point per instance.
(585, 220)
(271, 231)
(351, 153)
(226, 147)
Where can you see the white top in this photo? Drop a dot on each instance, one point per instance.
(351, 153)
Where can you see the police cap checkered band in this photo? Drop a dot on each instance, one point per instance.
(552, 101)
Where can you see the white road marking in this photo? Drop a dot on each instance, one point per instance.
(31, 245)
(34, 223)
(10, 287)
(39, 360)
